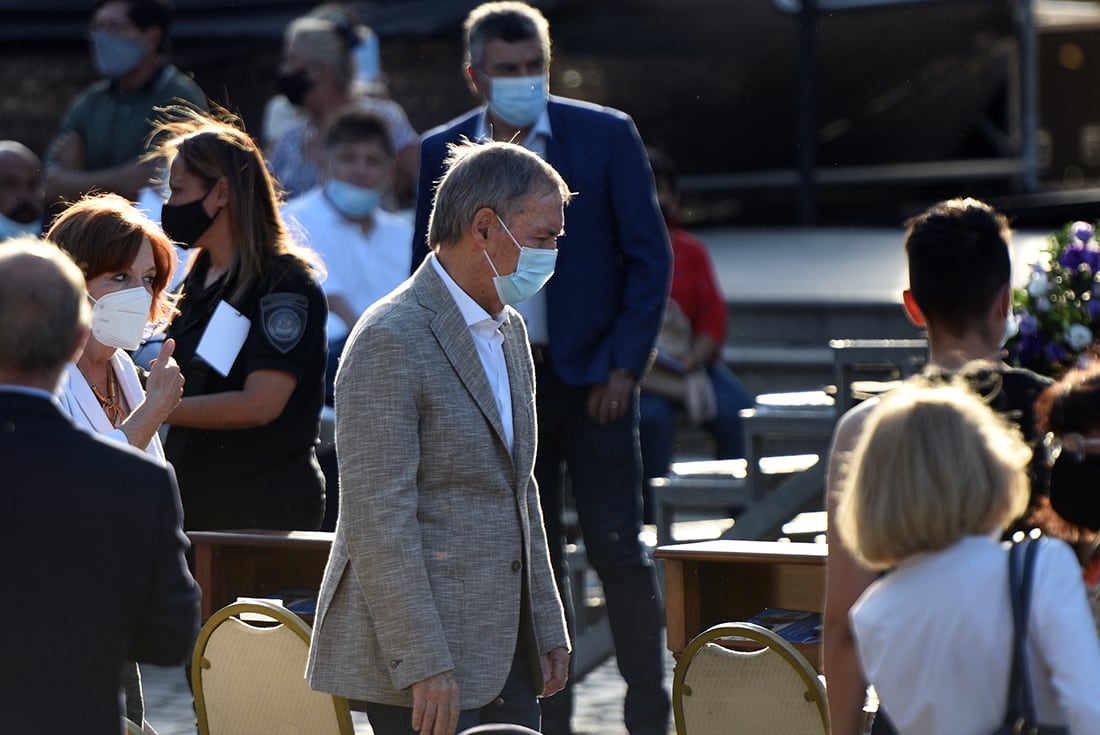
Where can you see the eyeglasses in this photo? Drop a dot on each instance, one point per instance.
(1075, 444)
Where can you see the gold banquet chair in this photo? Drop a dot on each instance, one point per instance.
(717, 690)
(250, 679)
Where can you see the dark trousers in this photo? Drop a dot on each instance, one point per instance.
(517, 705)
(604, 469)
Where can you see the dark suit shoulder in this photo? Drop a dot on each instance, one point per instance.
(452, 128)
(587, 112)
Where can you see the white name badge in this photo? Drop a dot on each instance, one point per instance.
(224, 337)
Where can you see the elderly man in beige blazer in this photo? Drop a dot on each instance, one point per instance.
(438, 607)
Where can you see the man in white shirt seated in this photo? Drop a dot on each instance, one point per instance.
(366, 249)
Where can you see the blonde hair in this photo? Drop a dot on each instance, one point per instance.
(934, 464)
(214, 147)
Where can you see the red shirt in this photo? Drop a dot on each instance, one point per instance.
(695, 287)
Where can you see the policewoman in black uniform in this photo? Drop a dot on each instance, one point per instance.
(250, 339)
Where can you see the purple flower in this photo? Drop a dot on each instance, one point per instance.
(1030, 325)
(1073, 255)
(1093, 306)
(1082, 231)
(1054, 352)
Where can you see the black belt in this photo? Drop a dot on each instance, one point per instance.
(540, 354)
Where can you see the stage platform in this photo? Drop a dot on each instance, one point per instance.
(790, 290)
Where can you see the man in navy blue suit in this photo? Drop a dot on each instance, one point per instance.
(592, 329)
(93, 545)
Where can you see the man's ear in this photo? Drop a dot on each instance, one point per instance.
(1004, 299)
(153, 37)
(470, 73)
(484, 220)
(80, 342)
(911, 309)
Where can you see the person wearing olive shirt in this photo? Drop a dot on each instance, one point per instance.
(250, 338)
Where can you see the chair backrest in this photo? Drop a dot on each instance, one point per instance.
(868, 360)
(717, 690)
(250, 679)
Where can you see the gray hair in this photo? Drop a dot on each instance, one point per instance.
(43, 306)
(321, 42)
(494, 175)
(506, 21)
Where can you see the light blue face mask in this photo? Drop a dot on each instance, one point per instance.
(115, 56)
(533, 270)
(354, 202)
(10, 228)
(518, 100)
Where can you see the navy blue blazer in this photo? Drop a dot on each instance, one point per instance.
(607, 296)
(94, 571)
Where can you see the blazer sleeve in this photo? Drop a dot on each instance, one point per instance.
(546, 606)
(432, 150)
(168, 619)
(378, 448)
(644, 248)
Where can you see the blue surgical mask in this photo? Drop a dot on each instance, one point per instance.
(518, 100)
(10, 228)
(533, 270)
(354, 202)
(116, 56)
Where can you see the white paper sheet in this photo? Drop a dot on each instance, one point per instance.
(224, 337)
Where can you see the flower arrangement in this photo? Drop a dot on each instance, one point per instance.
(1051, 327)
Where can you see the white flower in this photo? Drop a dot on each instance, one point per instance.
(1042, 305)
(1038, 285)
(1078, 337)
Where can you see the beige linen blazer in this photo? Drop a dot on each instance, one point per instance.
(440, 541)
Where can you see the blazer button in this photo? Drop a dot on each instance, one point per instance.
(516, 566)
(395, 663)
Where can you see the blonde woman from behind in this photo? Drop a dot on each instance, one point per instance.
(933, 481)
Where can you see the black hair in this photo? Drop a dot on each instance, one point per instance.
(958, 262)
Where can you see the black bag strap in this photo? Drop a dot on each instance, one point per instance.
(1020, 710)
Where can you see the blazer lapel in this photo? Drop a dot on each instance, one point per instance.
(557, 148)
(517, 358)
(87, 402)
(454, 338)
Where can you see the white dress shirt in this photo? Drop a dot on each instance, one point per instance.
(935, 638)
(533, 309)
(489, 341)
(362, 268)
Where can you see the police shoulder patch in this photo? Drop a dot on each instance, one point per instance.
(283, 316)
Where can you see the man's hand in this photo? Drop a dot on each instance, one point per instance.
(607, 403)
(555, 671)
(435, 704)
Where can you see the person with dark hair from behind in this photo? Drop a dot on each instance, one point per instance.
(365, 249)
(959, 290)
(105, 580)
(104, 135)
(688, 376)
(1069, 413)
(592, 329)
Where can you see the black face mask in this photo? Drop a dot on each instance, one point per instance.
(296, 85)
(1075, 490)
(185, 223)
